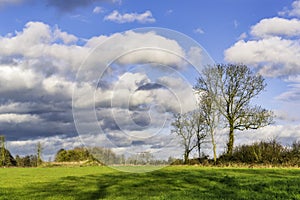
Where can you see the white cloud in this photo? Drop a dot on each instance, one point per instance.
(293, 93)
(125, 86)
(135, 48)
(275, 56)
(145, 17)
(199, 30)
(243, 36)
(235, 23)
(18, 118)
(195, 56)
(126, 93)
(169, 12)
(276, 27)
(181, 94)
(295, 11)
(17, 79)
(98, 10)
(117, 1)
(30, 41)
(59, 86)
(38, 41)
(285, 134)
(13, 107)
(285, 116)
(64, 36)
(273, 48)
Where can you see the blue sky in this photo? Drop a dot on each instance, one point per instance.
(44, 42)
(221, 21)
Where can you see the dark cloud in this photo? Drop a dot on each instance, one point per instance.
(29, 130)
(157, 146)
(150, 86)
(119, 139)
(69, 5)
(138, 142)
(141, 118)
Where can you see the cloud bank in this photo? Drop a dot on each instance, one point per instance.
(133, 99)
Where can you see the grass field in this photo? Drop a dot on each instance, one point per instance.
(175, 182)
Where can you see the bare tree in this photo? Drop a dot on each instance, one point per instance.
(209, 117)
(232, 88)
(185, 130)
(197, 120)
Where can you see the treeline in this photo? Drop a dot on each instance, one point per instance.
(259, 153)
(7, 160)
(264, 153)
(26, 161)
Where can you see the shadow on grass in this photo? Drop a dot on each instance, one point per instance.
(167, 184)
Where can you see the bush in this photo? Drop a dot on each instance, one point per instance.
(264, 152)
(73, 155)
(8, 160)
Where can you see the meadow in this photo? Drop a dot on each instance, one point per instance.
(173, 182)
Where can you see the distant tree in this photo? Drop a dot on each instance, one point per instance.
(144, 158)
(6, 158)
(27, 161)
(61, 156)
(73, 155)
(104, 155)
(2, 146)
(33, 161)
(232, 88)
(122, 159)
(39, 154)
(19, 161)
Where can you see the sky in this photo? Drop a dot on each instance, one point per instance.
(73, 73)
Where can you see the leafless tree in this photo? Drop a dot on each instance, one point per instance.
(183, 127)
(197, 121)
(189, 127)
(209, 115)
(232, 87)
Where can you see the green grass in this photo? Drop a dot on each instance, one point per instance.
(175, 182)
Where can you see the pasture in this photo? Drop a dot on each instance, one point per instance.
(173, 182)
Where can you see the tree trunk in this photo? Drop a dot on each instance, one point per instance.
(215, 152)
(199, 149)
(230, 141)
(214, 147)
(186, 157)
